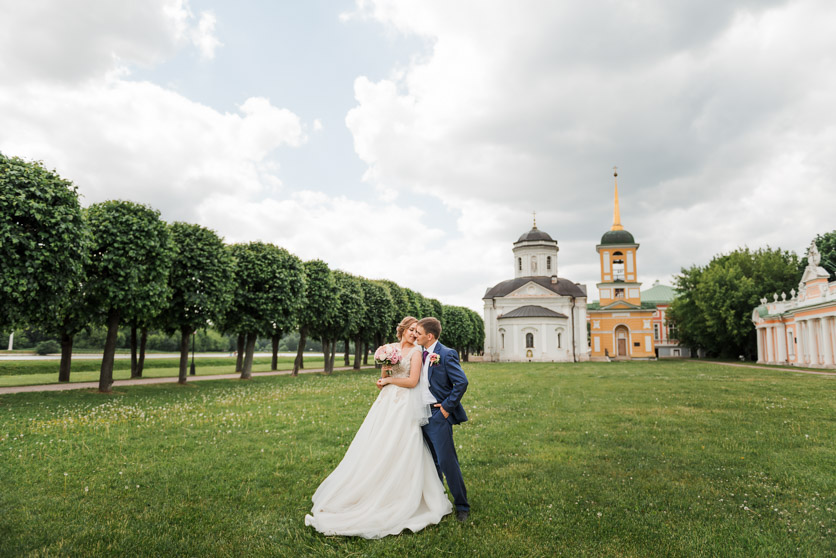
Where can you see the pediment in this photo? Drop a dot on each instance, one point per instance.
(620, 305)
(531, 289)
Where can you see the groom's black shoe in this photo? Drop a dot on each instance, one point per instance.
(461, 515)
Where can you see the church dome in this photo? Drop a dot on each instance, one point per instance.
(617, 237)
(535, 234)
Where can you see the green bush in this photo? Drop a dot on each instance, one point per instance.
(47, 347)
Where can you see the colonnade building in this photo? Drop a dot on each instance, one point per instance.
(800, 330)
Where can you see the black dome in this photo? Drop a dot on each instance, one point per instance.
(617, 237)
(535, 234)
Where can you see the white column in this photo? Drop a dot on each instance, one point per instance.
(801, 345)
(515, 342)
(761, 345)
(815, 331)
(782, 343)
(825, 334)
(770, 355)
(545, 338)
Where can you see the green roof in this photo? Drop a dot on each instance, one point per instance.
(659, 294)
(617, 237)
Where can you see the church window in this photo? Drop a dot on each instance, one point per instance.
(618, 266)
(656, 332)
(519, 264)
(548, 263)
(529, 340)
(619, 293)
(559, 340)
(533, 264)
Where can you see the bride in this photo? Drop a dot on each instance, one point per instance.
(387, 481)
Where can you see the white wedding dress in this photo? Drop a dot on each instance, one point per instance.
(387, 481)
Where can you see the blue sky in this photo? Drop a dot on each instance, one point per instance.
(411, 140)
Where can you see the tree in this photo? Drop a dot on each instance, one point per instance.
(826, 244)
(320, 305)
(714, 308)
(43, 245)
(130, 259)
(456, 329)
(289, 293)
(347, 318)
(377, 315)
(476, 343)
(200, 283)
(268, 291)
(401, 308)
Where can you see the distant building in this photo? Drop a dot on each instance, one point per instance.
(537, 316)
(664, 330)
(800, 330)
(620, 324)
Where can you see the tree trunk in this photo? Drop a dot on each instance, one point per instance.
(133, 351)
(239, 362)
(333, 354)
(106, 374)
(247, 371)
(325, 354)
(184, 354)
(274, 364)
(303, 338)
(347, 357)
(66, 357)
(143, 341)
(365, 353)
(357, 349)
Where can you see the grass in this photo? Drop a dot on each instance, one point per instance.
(37, 372)
(599, 459)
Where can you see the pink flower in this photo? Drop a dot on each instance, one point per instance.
(388, 354)
(434, 359)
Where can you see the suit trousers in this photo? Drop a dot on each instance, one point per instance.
(438, 433)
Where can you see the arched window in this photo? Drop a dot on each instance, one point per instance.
(519, 264)
(533, 264)
(502, 335)
(559, 340)
(529, 340)
(548, 263)
(617, 266)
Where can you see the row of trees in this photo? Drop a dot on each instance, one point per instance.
(713, 310)
(117, 262)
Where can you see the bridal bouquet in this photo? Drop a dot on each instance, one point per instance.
(388, 354)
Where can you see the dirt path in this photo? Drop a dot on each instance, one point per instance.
(163, 380)
(796, 370)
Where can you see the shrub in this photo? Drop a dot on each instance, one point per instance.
(47, 347)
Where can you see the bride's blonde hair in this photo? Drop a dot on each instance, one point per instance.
(404, 325)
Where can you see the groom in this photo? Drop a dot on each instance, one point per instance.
(447, 383)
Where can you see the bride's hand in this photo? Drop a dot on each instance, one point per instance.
(387, 368)
(382, 382)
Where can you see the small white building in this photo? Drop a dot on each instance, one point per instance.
(537, 316)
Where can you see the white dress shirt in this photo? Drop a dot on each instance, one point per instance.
(425, 376)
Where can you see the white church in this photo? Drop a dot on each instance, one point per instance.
(537, 316)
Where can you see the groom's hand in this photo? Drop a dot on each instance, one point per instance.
(443, 412)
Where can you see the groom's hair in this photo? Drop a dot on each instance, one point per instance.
(430, 325)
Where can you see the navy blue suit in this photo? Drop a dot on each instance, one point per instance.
(447, 384)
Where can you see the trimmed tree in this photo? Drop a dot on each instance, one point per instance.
(456, 328)
(268, 291)
(200, 282)
(43, 246)
(377, 315)
(348, 316)
(130, 258)
(320, 305)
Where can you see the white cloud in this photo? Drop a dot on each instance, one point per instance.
(718, 115)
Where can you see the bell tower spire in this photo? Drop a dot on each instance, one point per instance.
(616, 215)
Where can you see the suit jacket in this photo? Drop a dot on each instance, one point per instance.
(448, 382)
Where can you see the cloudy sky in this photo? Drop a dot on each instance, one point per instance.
(412, 139)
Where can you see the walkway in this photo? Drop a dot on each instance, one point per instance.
(797, 370)
(162, 380)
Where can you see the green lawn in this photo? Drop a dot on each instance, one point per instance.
(37, 372)
(606, 459)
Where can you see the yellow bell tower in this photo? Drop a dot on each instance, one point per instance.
(620, 327)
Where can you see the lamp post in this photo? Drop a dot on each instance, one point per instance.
(192, 372)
